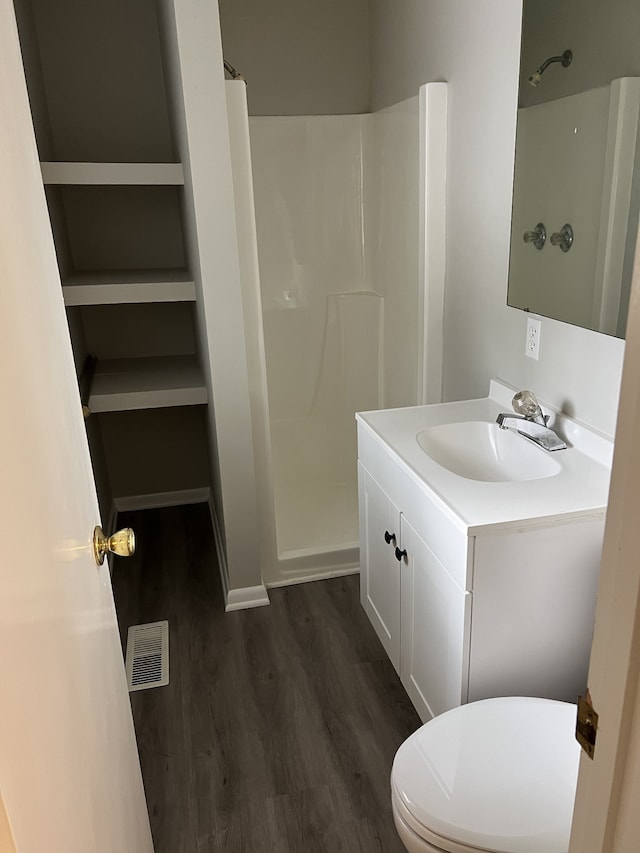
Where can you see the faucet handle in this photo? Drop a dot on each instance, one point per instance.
(538, 236)
(563, 238)
(525, 403)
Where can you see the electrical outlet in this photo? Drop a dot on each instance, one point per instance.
(532, 346)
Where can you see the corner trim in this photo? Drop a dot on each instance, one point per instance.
(432, 254)
(220, 553)
(246, 597)
(235, 599)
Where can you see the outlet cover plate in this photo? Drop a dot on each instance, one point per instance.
(532, 343)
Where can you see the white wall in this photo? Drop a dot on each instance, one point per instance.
(300, 57)
(193, 53)
(391, 244)
(475, 47)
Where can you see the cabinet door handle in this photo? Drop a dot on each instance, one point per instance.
(389, 537)
(400, 554)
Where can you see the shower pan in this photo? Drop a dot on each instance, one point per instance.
(329, 219)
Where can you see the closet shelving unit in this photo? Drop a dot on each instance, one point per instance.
(97, 85)
(120, 287)
(122, 384)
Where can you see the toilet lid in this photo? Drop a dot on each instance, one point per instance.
(497, 775)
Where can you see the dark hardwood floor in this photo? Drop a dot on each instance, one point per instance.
(279, 725)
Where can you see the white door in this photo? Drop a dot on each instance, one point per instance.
(436, 617)
(70, 777)
(606, 817)
(379, 569)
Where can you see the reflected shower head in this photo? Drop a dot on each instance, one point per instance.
(564, 60)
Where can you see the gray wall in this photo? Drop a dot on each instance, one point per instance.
(300, 57)
(146, 451)
(475, 47)
(103, 80)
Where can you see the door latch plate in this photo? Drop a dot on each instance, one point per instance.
(586, 725)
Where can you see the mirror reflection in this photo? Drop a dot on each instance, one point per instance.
(577, 170)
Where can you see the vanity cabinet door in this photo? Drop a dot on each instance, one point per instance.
(436, 617)
(379, 568)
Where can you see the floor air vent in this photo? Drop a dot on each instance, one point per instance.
(147, 661)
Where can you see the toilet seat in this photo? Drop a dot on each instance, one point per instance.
(497, 775)
(417, 838)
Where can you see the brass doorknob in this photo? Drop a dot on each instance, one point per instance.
(122, 543)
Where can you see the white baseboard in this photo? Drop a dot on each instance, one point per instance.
(246, 597)
(157, 500)
(318, 576)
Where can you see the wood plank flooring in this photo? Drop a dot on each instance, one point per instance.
(277, 731)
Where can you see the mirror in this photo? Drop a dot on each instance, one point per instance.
(577, 171)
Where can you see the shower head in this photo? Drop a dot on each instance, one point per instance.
(235, 75)
(535, 79)
(564, 60)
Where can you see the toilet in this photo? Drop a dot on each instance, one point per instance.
(496, 775)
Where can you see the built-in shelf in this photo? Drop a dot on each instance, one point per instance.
(128, 286)
(114, 174)
(121, 385)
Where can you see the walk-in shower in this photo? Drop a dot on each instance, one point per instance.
(322, 329)
(335, 325)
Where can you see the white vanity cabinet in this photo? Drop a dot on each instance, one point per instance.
(473, 611)
(380, 584)
(435, 616)
(412, 602)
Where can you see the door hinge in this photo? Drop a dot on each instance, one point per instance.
(586, 725)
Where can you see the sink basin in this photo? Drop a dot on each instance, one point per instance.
(479, 450)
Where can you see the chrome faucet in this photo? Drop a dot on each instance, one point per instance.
(530, 422)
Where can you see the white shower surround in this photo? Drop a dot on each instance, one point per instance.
(335, 313)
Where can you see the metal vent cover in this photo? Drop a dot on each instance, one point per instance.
(147, 659)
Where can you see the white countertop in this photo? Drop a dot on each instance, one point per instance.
(579, 489)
